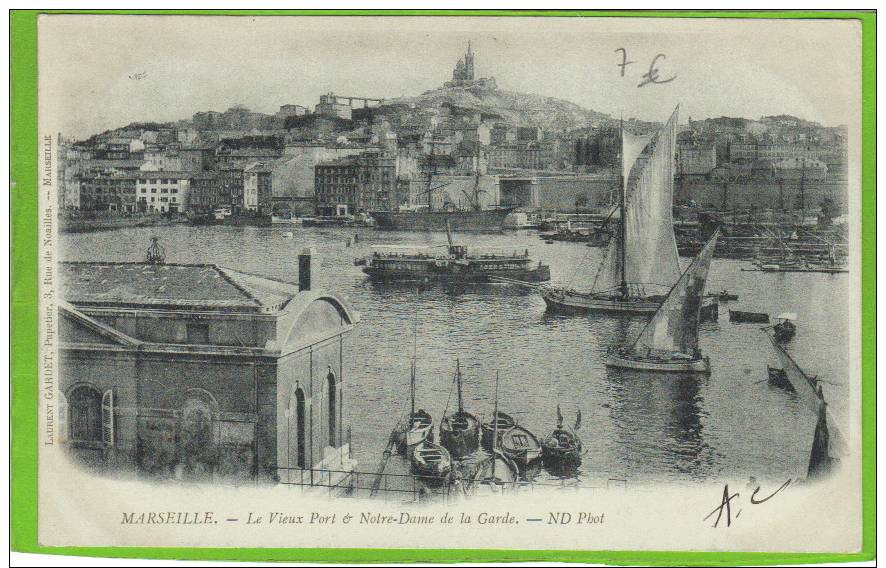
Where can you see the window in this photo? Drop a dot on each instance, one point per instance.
(198, 333)
(153, 190)
(331, 407)
(84, 416)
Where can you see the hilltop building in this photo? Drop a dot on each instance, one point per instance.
(463, 75)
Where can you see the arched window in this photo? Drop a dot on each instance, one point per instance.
(198, 434)
(331, 406)
(85, 414)
(300, 428)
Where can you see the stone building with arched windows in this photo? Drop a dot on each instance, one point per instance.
(201, 372)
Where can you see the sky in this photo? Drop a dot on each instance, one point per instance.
(101, 72)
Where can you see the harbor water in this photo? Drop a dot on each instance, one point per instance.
(635, 426)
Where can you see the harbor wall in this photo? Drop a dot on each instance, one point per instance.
(563, 193)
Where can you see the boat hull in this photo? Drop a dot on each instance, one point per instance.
(748, 317)
(432, 463)
(483, 221)
(506, 422)
(460, 435)
(456, 273)
(522, 447)
(572, 303)
(702, 365)
(561, 452)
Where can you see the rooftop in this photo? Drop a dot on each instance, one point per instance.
(172, 286)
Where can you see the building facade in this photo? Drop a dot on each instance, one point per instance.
(197, 372)
(355, 184)
(163, 192)
(257, 188)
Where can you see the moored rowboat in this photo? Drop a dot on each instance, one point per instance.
(431, 462)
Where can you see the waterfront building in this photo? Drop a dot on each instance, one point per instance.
(199, 372)
(163, 192)
(207, 193)
(232, 185)
(293, 175)
(354, 184)
(257, 191)
(105, 191)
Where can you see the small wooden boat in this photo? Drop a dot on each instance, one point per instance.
(460, 431)
(498, 471)
(748, 317)
(778, 378)
(785, 329)
(431, 462)
(724, 296)
(562, 449)
(494, 428)
(521, 446)
(418, 425)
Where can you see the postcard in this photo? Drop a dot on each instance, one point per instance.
(417, 282)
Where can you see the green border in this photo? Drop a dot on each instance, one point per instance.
(24, 319)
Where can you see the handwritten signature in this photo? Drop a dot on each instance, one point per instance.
(651, 76)
(725, 508)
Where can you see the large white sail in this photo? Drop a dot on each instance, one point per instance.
(650, 248)
(674, 327)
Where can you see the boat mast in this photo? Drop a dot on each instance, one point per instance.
(458, 384)
(412, 370)
(622, 229)
(495, 426)
(412, 387)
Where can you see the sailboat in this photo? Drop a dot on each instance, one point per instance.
(460, 431)
(643, 251)
(669, 341)
(420, 218)
(417, 426)
(498, 472)
(828, 443)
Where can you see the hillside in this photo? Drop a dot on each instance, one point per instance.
(520, 109)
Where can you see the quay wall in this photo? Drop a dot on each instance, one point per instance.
(561, 193)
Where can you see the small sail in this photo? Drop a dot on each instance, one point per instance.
(650, 247)
(674, 327)
(808, 389)
(609, 274)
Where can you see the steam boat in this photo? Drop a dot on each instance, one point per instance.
(455, 265)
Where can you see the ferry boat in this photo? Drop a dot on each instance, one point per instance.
(641, 262)
(457, 264)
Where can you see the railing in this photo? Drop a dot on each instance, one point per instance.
(411, 487)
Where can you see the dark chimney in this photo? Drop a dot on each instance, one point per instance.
(304, 269)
